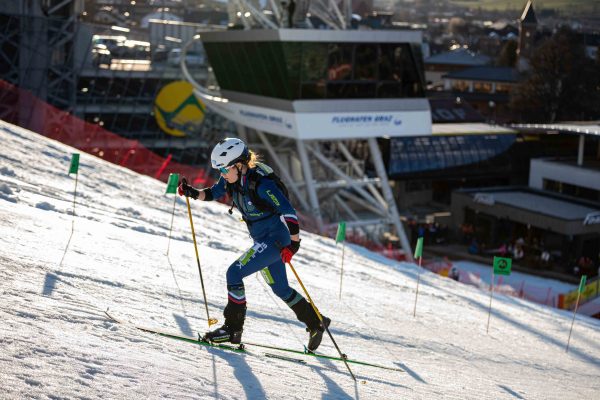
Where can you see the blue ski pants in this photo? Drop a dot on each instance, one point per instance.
(263, 256)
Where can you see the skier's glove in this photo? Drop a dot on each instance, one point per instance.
(186, 190)
(288, 252)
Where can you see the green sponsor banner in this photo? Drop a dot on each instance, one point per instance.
(419, 248)
(582, 283)
(74, 164)
(341, 232)
(172, 184)
(502, 265)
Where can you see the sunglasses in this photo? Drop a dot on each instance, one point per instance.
(225, 170)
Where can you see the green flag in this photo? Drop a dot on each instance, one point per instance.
(74, 164)
(582, 283)
(341, 232)
(172, 184)
(419, 248)
(502, 265)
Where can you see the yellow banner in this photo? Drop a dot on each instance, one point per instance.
(590, 291)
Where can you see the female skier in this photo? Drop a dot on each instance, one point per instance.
(262, 204)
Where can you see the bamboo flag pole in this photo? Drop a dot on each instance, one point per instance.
(490, 308)
(74, 169)
(341, 237)
(419, 255)
(502, 266)
(581, 288)
(172, 184)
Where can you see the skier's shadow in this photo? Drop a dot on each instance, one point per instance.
(333, 389)
(242, 372)
(336, 391)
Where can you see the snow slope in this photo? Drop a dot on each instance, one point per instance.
(55, 285)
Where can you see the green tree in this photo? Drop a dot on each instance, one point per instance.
(562, 83)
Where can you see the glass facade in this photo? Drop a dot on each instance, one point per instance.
(419, 154)
(312, 70)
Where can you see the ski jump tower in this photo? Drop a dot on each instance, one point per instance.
(314, 102)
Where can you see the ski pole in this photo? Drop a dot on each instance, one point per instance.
(171, 228)
(342, 355)
(211, 321)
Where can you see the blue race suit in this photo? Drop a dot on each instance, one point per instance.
(269, 234)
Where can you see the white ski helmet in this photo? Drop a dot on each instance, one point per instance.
(228, 152)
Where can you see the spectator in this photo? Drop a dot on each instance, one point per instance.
(454, 273)
(474, 247)
(518, 252)
(545, 257)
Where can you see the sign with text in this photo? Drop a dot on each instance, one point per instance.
(324, 124)
(484, 198)
(592, 219)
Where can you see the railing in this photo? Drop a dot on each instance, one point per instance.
(546, 295)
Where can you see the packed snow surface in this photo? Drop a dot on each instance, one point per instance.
(59, 273)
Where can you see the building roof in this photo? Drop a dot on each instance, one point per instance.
(453, 110)
(419, 154)
(543, 204)
(469, 128)
(490, 74)
(528, 16)
(459, 56)
(581, 128)
(545, 210)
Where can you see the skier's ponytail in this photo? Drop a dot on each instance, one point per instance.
(254, 158)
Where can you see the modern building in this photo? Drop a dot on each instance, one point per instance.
(557, 212)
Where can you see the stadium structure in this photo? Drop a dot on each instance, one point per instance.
(318, 99)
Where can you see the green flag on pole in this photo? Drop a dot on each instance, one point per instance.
(582, 283)
(419, 248)
(74, 164)
(502, 265)
(341, 232)
(172, 184)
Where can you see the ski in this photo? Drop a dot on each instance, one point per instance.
(242, 348)
(323, 356)
(199, 341)
(280, 357)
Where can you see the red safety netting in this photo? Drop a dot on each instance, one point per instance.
(510, 287)
(22, 108)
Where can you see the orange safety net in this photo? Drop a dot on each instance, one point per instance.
(22, 108)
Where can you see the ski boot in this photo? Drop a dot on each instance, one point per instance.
(316, 335)
(231, 331)
(223, 334)
(305, 313)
